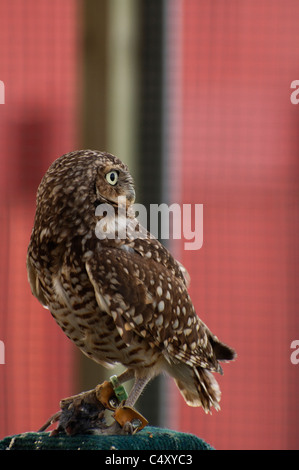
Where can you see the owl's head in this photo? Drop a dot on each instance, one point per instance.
(75, 184)
(113, 180)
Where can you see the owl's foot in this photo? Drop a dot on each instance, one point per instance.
(129, 419)
(127, 422)
(112, 395)
(84, 413)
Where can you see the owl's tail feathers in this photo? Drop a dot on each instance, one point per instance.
(222, 351)
(198, 384)
(200, 389)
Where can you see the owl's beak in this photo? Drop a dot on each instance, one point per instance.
(130, 195)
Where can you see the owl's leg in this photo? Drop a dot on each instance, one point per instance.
(84, 413)
(137, 389)
(111, 393)
(128, 374)
(127, 419)
(105, 391)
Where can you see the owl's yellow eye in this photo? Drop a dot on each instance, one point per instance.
(112, 177)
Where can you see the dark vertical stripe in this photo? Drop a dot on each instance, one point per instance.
(94, 102)
(150, 142)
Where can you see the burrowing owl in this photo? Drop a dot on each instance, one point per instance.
(120, 299)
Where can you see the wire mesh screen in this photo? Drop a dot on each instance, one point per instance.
(236, 152)
(38, 49)
(216, 127)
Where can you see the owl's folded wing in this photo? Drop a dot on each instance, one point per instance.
(145, 298)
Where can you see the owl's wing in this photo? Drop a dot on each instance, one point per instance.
(149, 247)
(146, 298)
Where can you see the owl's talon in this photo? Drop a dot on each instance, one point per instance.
(129, 429)
(111, 393)
(125, 416)
(84, 413)
(105, 394)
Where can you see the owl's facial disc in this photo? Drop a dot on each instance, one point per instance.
(113, 183)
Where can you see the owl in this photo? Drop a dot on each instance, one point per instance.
(120, 299)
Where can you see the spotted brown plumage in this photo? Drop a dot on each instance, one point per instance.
(120, 300)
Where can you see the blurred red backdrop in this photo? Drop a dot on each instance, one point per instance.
(238, 154)
(233, 136)
(38, 122)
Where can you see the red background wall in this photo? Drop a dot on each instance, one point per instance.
(238, 154)
(39, 51)
(234, 148)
